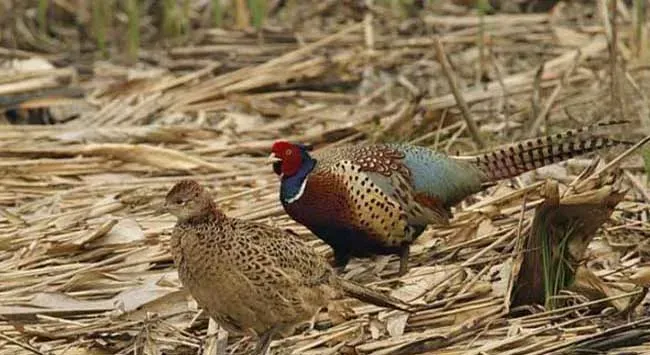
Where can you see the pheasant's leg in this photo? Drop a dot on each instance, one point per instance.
(341, 259)
(264, 342)
(312, 320)
(404, 260)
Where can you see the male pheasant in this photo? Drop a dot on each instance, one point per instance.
(249, 276)
(378, 198)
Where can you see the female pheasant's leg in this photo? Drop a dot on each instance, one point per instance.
(264, 342)
(313, 319)
(404, 260)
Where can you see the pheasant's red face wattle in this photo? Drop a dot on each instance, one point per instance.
(290, 157)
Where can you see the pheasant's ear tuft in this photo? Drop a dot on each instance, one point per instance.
(280, 146)
(306, 147)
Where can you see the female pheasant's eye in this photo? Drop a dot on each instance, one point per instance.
(288, 152)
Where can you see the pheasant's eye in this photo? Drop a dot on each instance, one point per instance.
(288, 152)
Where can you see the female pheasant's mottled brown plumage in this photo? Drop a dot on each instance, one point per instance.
(378, 198)
(250, 276)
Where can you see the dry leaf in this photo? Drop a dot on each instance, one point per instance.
(140, 260)
(31, 65)
(396, 323)
(340, 311)
(590, 285)
(159, 157)
(134, 298)
(569, 37)
(125, 231)
(377, 328)
(641, 277)
(137, 134)
(240, 122)
(175, 302)
(55, 303)
(417, 286)
(78, 350)
(485, 227)
(500, 287)
(89, 280)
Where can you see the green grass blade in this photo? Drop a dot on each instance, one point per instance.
(217, 13)
(258, 12)
(133, 40)
(42, 15)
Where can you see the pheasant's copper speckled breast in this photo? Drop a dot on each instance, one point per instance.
(342, 195)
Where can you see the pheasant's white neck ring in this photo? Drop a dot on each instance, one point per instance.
(301, 191)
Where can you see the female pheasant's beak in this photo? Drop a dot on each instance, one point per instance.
(272, 159)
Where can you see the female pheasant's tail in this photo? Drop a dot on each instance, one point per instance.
(520, 157)
(371, 296)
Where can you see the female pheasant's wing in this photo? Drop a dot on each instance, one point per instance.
(303, 266)
(282, 281)
(282, 257)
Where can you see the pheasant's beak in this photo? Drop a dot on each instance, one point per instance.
(160, 208)
(272, 159)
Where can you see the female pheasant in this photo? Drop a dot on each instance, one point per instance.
(250, 276)
(378, 198)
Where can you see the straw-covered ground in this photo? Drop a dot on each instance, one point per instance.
(85, 266)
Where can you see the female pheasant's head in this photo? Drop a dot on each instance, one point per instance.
(289, 158)
(188, 200)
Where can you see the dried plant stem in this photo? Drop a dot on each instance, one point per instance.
(242, 14)
(368, 28)
(532, 132)
(453, 84)
(639, 22)
(21, 344)
(613, 53)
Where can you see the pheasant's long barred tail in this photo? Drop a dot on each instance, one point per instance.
(531, 154)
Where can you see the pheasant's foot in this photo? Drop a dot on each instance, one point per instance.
(403, 260)
(313, 319)
(341, 260)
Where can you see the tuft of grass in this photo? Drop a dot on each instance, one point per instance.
(133, 31)
(171, 23)
(186, 19)
(43, 6)
(639, 22)
(482, 7)
(101, 18)
(557, 268)
(217, 13)
(645, 153)
(258, 12)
